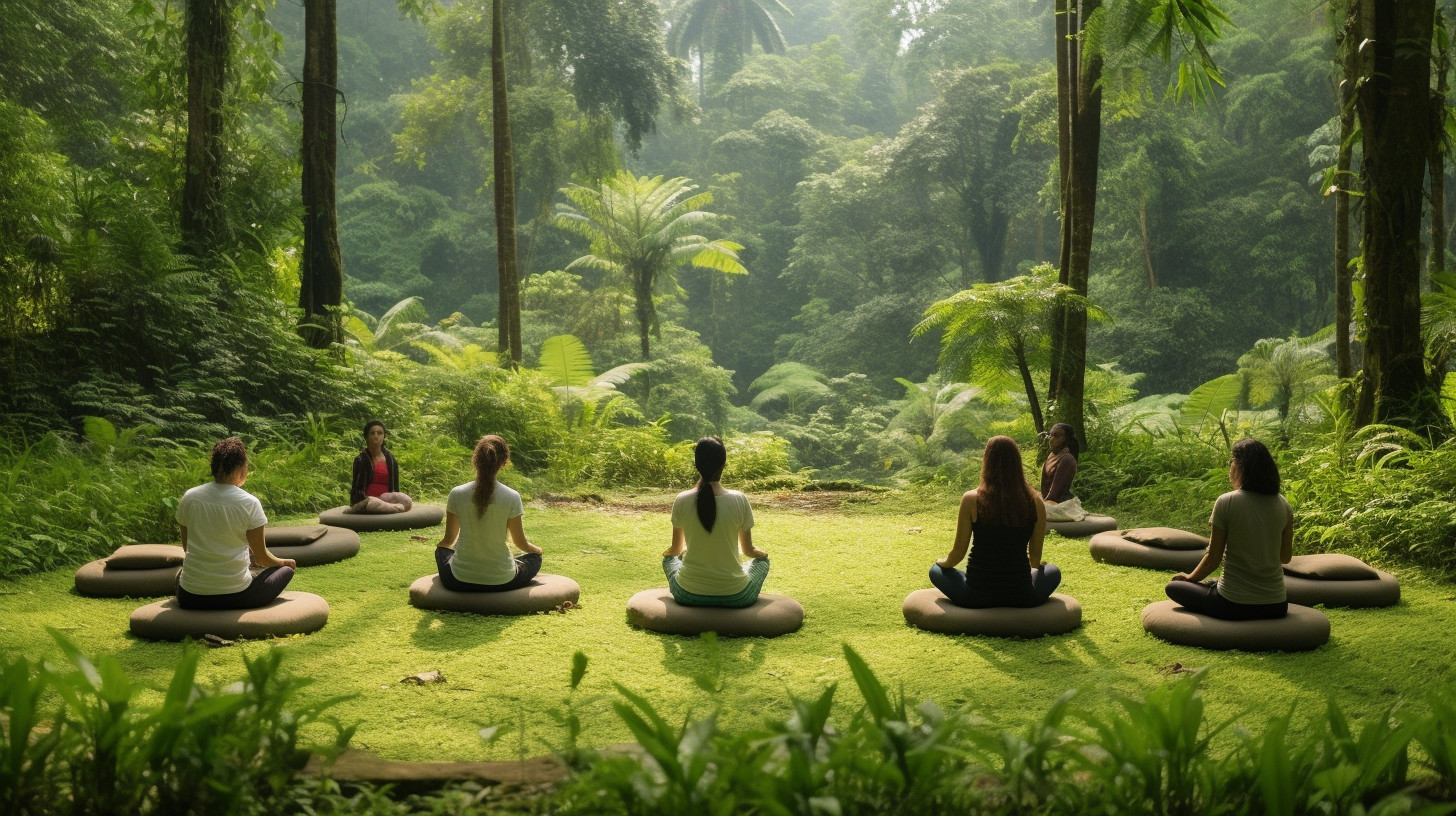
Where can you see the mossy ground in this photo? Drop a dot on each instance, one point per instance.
(849, 560)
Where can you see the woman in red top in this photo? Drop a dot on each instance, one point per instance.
(375, 485)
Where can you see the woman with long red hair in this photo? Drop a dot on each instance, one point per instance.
(1007, 520)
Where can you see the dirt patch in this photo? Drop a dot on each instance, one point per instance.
(811, 501)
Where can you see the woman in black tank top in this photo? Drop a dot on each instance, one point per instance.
(1007, 520)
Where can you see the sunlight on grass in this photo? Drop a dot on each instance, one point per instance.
(849, 566)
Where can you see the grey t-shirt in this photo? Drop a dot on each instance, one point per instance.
(1254, 522)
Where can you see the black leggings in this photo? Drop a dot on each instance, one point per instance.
(267, 585)
(527, 565)
(1205, 600)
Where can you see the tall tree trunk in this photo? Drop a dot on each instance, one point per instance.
(1037, 421)
(1064, 21)
(1436, 173)
(203, 220)
(1393, 101)
(642, 282)
(509, 312)
(1147, 244)
(1345, 96)
(322, 290)
(1079, 209)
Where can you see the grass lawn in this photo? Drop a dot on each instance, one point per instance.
(850, 561)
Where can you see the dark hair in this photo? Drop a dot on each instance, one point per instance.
(1254, 468)
(491, 454)
(1004, 497)
(709, 457)
(370, 424)
(1072, 444)
(227, 456)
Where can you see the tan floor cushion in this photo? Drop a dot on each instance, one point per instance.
(417, 517)
(1167, 538)
(545, 593)
(146, 557)
(1330, 567)
(98, 580)
(1112, 548)
(1382, 590)
(930, 610)
(336, 544)
(1081, 529)
(292, 613)
(770, 616)
(1301, 630)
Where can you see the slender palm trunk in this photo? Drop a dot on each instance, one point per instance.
(646, 315)
(1344, 298)
(209, 52)
(509, 311)
(1037, 420)
(322, 289)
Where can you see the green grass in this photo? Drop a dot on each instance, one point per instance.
(849, 565)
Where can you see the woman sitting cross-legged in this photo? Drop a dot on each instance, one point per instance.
(1003, 522)
(473, 556)
(1252, 537)
(710, 527)
(222, 530)
(374, 486)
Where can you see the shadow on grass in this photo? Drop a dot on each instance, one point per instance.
(715, 660)
(458, 631)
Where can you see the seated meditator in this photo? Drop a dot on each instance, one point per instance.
(222, 529)
(710, 527)
(1058, 472)
(473, 556)
(375, 484)
(1003, 522)
(1252, 537)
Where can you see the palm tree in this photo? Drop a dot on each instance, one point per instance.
(993, 332)
(727, 30)
(640, 228)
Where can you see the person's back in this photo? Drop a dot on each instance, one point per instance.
(482, 555)
(217, 517)
(711, 565)
(998, 572)
(1254, 524)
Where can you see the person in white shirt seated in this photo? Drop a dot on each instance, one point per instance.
(222, 532)
(711, 526)
(473, 556)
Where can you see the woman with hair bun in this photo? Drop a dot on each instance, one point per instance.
(374, 487)
(711, 526)
(1252, 538)
(473, 556)
(1008, 520)
(222, 531)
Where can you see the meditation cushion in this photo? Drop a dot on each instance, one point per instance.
(1081, 529)
(1112, 548)
(419, 516)
(1301, 630)
(99, 580)
(1330, 567)
(146, 557)
(543, 594)
(1167, 538)
(334, 544)
(291, 613)
(769, 616)
(930, 610)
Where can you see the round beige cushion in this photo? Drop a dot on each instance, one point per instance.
(545, 593)
(1301, 630)
(292, 613)
(98, 580)
(417, 517)
(1383, 590)
(1081, 529)
(336, 544)
(769, 616)
(1112, 548)
(930, 610)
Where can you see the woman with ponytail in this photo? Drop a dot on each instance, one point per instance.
(478, 515)
(710, 527)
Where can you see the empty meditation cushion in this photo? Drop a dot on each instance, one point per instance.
(330, 545)
(415, 518)
(1168, 538)
(292, 613)
(1301, 630)
(769, 616)
(930, 610)
(545, 593)
(1111, 548)
(1330, 567)
(1081, 529)
(133, 571)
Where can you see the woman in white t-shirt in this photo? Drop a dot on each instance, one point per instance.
(1252, 538)
(222, 530)
(710, 527)
(473, 556)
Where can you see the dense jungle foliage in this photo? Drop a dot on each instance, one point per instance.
(841, 255)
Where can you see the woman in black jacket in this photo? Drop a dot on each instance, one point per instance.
(375, 484)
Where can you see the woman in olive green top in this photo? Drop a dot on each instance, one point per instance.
(1252, 537)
